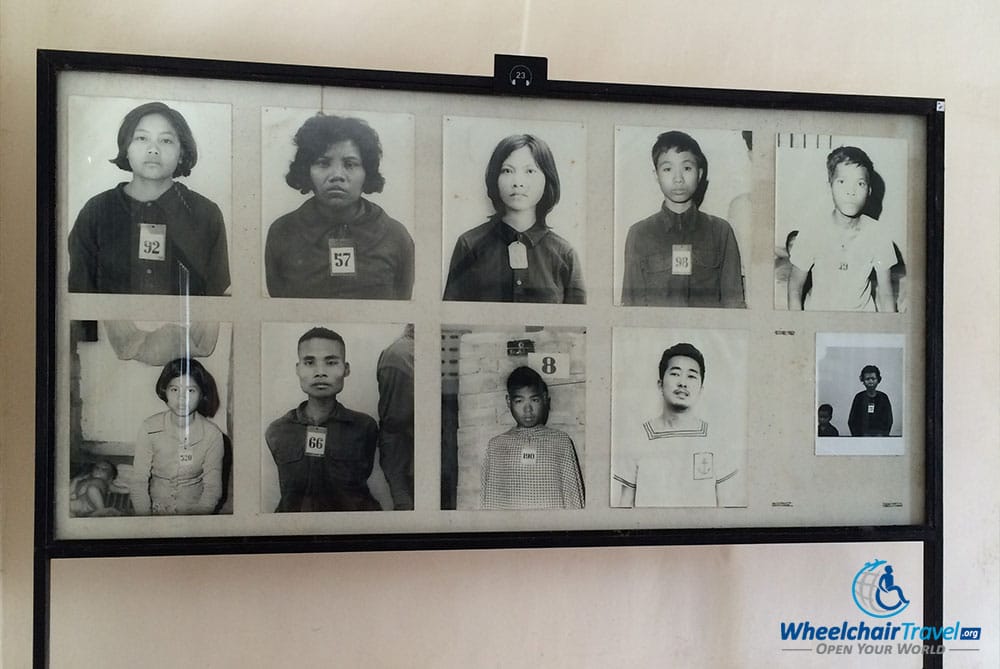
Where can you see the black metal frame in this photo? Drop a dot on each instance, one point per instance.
(51, 63)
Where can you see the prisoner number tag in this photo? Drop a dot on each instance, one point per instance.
(342, 257)
(517, 255)
(185, 456)
(871, 408)
(681, 260)
(152, 241)
(529, 455)
(315, 441)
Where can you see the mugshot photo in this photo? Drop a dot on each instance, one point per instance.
(840, 223)
(682, 216)
(514, 211)
(513, 413)
(337, 203)
(150, 419)
(860, 403)
(336, 417)
(679, 418)
(149, 196)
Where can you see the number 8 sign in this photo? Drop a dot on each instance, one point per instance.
(550, 365)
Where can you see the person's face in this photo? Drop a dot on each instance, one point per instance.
(678, 175)
(870, 381)
(321, 367)
(103, 471)
(521, 182)
(824, 417)
(183, 395)
(338, 175)
(154, 149)
(850, 189)
(681, 382)
(528, 406)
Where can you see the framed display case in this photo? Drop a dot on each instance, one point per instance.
(493, 311)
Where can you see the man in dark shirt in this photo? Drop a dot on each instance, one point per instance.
(324, 451)
(395, 415)
(871, 410)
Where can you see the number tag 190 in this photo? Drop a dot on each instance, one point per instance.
(552, 366)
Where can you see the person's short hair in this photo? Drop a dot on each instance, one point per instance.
(209, 402)
(790, 238)
(825, 408)
(849, 155)
(542, 154)
(189, 150)
(322, 131)
(680, 142)
(321, 333)
(113, 466)
(526, 377)
(686, 350)
(870, 369)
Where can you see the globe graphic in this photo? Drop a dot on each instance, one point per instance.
(865, 586)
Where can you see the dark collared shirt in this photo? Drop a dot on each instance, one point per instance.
(714, 278)
(104, 245)
(395, 414)
(335, 481)
(297, 255)
(480, 268)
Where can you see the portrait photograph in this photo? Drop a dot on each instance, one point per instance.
(337, 203)
(513, 417)
(148, 196)
(860, 397)
(336, 417)
(682, 216)
(151, 411)
(840, 223)
(679, 418)
(514, 211)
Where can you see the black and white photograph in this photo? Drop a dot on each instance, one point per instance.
(514, 211)
(682, 216)
(337, 203)
(336, 417)
(513, 417)
(151, 414)
(149, 194)
(840, 223)
(860, 402)
(679, 418)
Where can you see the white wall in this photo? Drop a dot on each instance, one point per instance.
(711, 607)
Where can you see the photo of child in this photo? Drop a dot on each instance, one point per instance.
(337, 243)
(151, 419)
(877, 414)
(680, 256)
(528, 250)
(530, 466)
(848, 256)
(177, 467)
(152, 234)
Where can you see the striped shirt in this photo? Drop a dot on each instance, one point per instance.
(531, 468)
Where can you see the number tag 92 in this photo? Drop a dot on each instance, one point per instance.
(152, 241)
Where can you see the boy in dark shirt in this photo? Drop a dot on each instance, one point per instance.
(824, 414)
(324, 451)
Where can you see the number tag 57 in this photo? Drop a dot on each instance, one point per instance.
(342, 257)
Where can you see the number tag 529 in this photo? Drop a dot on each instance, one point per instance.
(152, 241)
(342, 257)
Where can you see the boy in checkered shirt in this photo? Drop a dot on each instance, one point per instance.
(531, 465)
